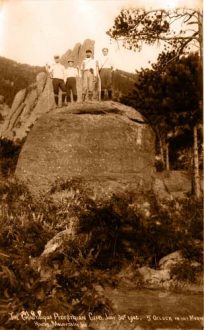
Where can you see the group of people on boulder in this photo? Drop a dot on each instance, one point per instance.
(92, 72)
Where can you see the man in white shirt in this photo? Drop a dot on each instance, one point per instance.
(89, 75)
(57, 73)
(71, 74)
(106, 73)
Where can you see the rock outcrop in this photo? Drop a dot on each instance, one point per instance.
(35, 100)
(4, 109)
(105, 144)
(28, 105)
(169, 185)
(78, 53)
(163, 277)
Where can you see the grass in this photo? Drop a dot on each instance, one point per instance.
(108, 235)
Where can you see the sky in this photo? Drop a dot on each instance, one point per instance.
(32, 31)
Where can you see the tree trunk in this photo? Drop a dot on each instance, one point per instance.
(200, 36)
(197, 189)
(161, 148)
(167, 157)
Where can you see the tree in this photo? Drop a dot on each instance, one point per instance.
(169, 99)
(178, 30)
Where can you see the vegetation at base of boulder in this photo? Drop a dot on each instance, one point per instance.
(26, 227)
(9, 153)
(185, 272)
(109, 235)
(118, 231)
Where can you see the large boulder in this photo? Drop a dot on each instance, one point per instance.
(106, 145)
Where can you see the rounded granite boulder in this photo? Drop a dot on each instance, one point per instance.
(105, 144)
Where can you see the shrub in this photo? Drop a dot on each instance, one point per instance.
(9, 153)
(26, 227)
(185, 271)
(110, 234)
(118, 231)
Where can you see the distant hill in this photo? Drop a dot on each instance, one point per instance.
(123, 82)
(14, 77)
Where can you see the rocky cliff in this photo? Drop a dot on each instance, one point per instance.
(105, 144)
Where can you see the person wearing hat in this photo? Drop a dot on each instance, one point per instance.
(106, 73)
(57, 73)
(89, 75)
(71, 74)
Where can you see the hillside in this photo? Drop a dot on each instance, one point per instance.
(123, 82)
(15, 76)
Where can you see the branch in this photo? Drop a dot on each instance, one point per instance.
(190, 16)
(145, 36)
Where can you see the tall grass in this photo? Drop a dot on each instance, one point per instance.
(108, 234)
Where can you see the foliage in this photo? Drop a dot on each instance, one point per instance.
(118, 230)
(9, 153)
(109, 234)
(169, 98)
(123, 82)
(184, 271)
(138, 26)
(26, 227)
(14, 77)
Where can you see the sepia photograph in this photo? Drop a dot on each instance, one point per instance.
(101, 165)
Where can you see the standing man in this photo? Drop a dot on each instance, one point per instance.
(89, 75)
(106, 73)
(57, 73)
(71, 74)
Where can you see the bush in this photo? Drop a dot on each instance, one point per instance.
(9, 153)
(109, 235)
(26, 227)
(119, 231)
(185, 272)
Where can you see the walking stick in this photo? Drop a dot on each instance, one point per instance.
(99, 87)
